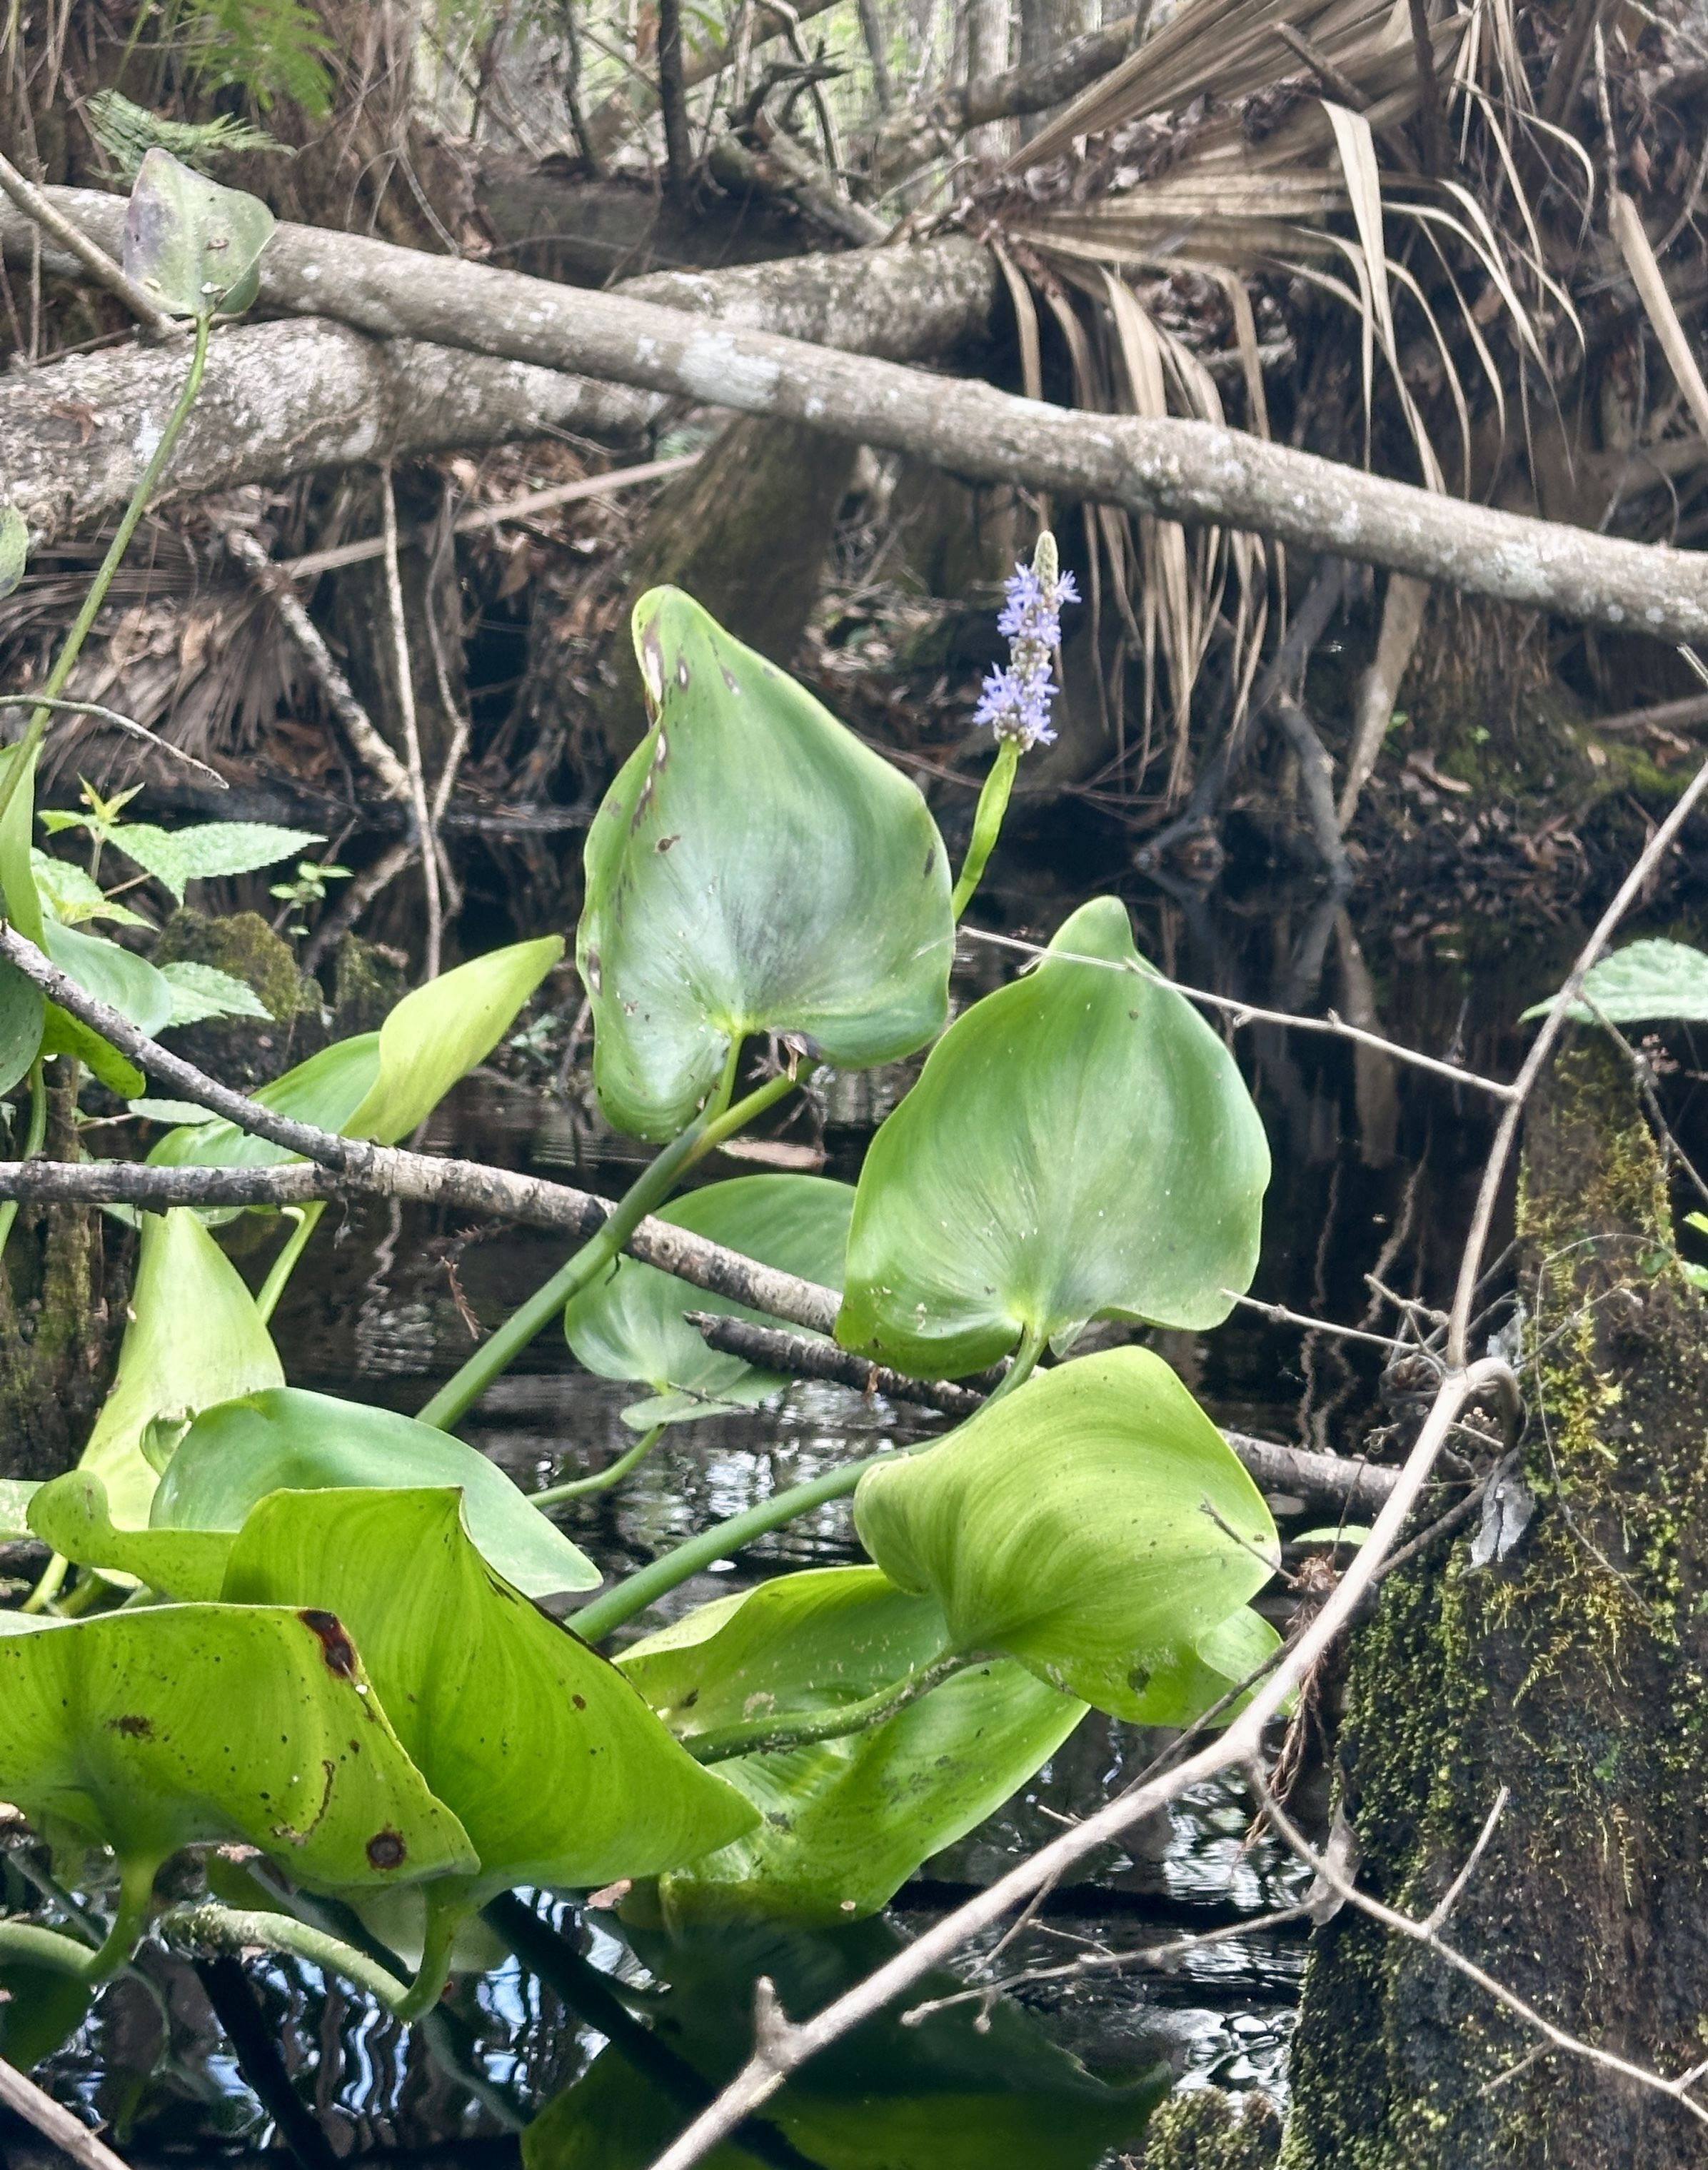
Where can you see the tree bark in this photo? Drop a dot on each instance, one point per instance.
(1047, 28)
(1571, 1671)
(280, 399)
(745, 533)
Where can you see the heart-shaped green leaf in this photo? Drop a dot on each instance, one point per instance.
(194, 246)
(754, 868)
(286, 1440)
(630, 1325)
(146, 1731)
(195, 1337)
(1093, 1523)
(558, 1772)
(844, 1823)
(381, 1085)
(1643, 981)
(1079, 1146)
(40, 2011)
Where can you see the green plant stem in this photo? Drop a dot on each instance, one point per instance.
(24, 754)
(52, 1582)
(580, 1487)
(46, 1948)
(214, 1928)
(777, 1734)
(307, 1220)
(651, 1188)
(648, 1583)
(34, 1139)
(1031, 1347)
(987, 823)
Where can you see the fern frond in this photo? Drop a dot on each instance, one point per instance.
(126, 132)
(269, 49)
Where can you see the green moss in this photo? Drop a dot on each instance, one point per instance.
(1208, 2130)
(245, 946)
(1571, 1673)
(368, 982)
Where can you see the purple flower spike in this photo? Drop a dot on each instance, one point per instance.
(1016, 702)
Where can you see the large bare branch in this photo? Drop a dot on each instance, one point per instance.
(1195, 472)
(280, 399)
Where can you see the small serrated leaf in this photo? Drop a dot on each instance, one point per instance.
(237, 848)
(200, 991)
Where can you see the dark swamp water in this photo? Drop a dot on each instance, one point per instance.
(1375, 1164)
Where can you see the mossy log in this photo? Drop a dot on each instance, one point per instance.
(1571, 1672)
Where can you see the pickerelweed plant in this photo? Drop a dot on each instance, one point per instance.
(313, 1628)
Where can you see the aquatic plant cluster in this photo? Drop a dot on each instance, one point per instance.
(313, 1630)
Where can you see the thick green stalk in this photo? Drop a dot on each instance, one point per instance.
(652, 1188)
(28, 745)
(1020, 1370)
(580, 1487)
(24, 1940)
(214, 1928)
(648, 1583)
(777, 1734)
(987, 823)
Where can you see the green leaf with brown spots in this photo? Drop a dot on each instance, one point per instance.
(557, 1769)
(148, 1730)
(754, 868)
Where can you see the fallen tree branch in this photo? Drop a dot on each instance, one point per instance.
(282, 399)
(94, 259)
(1194, 472)
(1330, 1480)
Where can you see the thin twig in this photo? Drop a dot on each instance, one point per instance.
(1424, 1932)
(118, 723)
(370, 746)
(69, 2134)
(1332, 1479)
(94, 259)
(426, 835)
(1505, 1137)
(1251, 1013)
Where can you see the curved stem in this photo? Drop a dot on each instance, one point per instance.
(48, 1587)
(987, 823)
(447, 1910)
(579, 1487)
(776, 1735)
(28, 746)
(1031, 1347)
(35, 1137)
(46, 1948)
(653, 1185)
(648, 1583)
(307, 1220)
(214, 1928)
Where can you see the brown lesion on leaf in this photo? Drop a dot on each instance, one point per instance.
(335, 1646)
(387, 1849)
(133, 1725)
